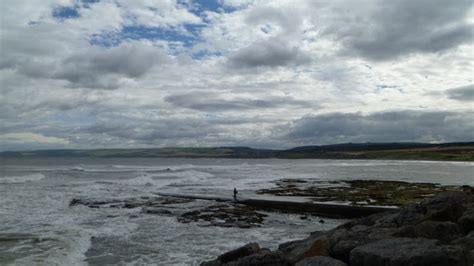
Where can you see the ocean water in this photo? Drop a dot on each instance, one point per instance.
(38, 227)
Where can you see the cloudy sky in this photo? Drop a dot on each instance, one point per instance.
(274, 74)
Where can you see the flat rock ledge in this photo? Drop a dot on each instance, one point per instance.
(438, 231)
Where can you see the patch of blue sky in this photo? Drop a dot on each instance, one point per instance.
(187, 36)
(202, 54)
(66, 12)
(75, 119)
(199, 7)
(69, 12)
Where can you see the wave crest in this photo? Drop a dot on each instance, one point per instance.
(21, 178)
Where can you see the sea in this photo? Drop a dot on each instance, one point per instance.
(39, 227)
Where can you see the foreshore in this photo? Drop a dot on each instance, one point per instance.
(436, 231)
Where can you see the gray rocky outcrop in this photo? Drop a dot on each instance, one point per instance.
(436, 231)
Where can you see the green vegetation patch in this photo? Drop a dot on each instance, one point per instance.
(358, 192)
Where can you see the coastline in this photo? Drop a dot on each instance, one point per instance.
(437, 231)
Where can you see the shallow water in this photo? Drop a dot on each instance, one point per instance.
(37, 226)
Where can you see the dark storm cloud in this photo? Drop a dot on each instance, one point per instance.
(465, 93)
(145, 131)
(389, 29)
(129, 60)
(95, 67)
(270, 53)
(210, 102)
(384, 127)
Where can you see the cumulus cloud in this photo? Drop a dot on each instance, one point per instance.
(240, 72)
(130, 60)
(98, 67)
(464, 93)
(391, 126)
(271, 53)
(383, 30)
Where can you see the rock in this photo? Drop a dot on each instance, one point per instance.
(466, 221)
(443, 231)
(445, 212)
(294, 251)
(437, 231)
(263, 258)
(410, 216)
(467, 243)
(407, 251)
(447, 206)
(129, 203)
(156, 211)
(320, 261)
(225, 215)
(342, 241)
(235, 254)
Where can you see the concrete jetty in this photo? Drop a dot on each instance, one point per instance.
(323, 209)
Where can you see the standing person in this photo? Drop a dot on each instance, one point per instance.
(235, 194)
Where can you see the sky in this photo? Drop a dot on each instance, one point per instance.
(266, 74)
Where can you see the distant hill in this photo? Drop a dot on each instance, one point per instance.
(460, 151)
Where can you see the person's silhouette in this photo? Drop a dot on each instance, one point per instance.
(235, 193)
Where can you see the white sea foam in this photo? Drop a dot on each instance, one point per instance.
(164, 179)
(21, 178)
(78, 168)
(142, 180)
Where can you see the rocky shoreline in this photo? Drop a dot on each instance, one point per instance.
(436, 231)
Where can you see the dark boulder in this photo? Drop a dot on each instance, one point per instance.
(466, 221)
(298, 250)
(243, 251)
(263, 258)
(407, 251)
(442, 231)
(320, 261)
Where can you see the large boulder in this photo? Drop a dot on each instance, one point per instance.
(466, 221)
(320, 261)
(442, 231)
(234, 255)
(243, 251)
(263, 258)
(467, 242)
(447, 206)
(296, 251)
(407, 251)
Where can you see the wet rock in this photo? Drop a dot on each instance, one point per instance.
(409, 216)
(342, 241)
(467, 242)
(225, 215)
(466, 221)
(250, 254)
(315, 245)
(320, 261)
(149, 210)
(443, 231)
(446, 206)
(128, 203)
(407, 251)
(358, 192)
(432, 232)
(263, 258)
(235, 254)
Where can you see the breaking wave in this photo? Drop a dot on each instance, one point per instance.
(21, 178)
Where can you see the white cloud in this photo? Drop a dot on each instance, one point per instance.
(244, 75)
(28, 137)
